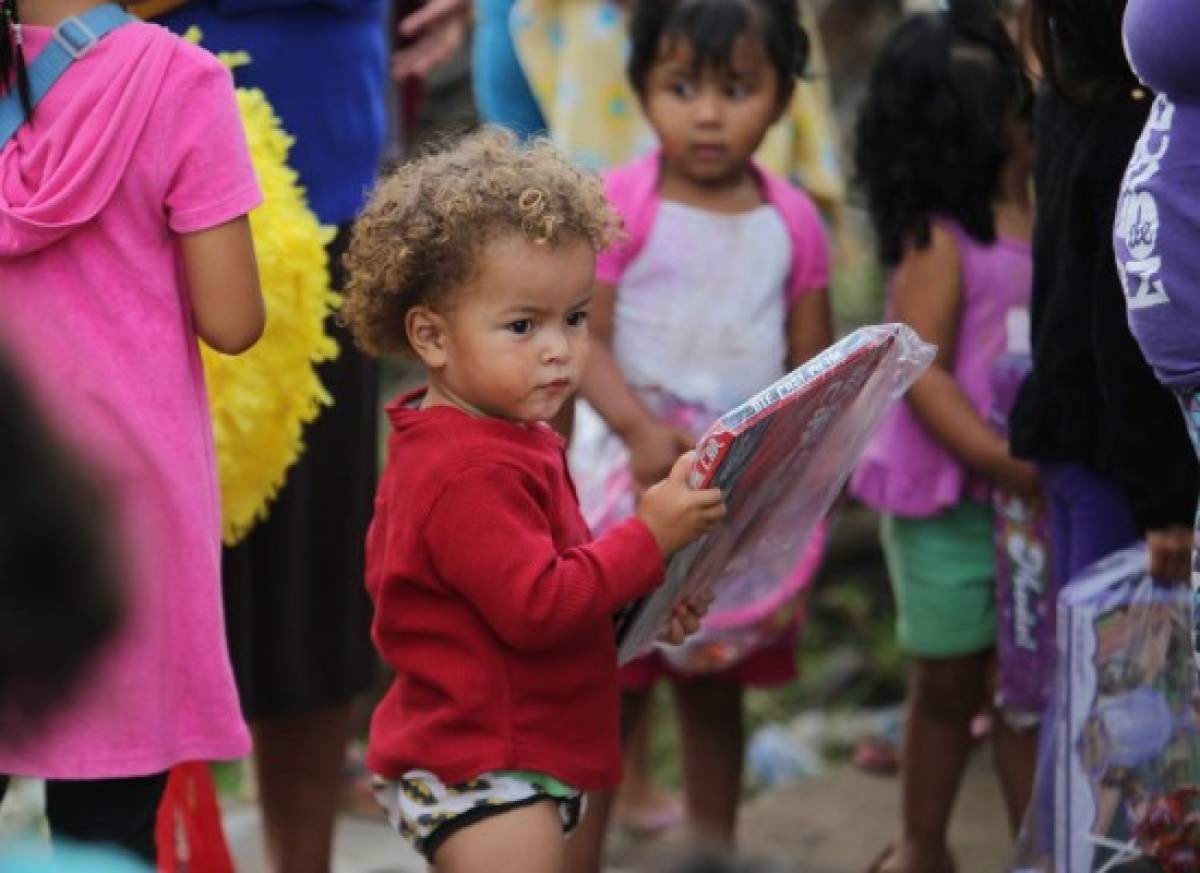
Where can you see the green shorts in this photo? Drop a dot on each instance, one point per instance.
(943, 572)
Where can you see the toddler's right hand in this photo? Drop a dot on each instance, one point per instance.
(653, 448)
(675, 513)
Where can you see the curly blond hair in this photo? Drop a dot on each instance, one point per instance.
(419, 238)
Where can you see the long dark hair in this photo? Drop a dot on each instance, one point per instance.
(931, 137)
(1078, 44)
(12, 56)
(712, 27)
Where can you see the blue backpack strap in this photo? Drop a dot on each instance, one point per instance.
(73, 38)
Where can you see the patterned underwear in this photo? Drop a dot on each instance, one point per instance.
(427, 812)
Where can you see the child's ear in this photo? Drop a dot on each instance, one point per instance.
(426, 331)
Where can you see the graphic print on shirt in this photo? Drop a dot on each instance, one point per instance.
(1138, 261)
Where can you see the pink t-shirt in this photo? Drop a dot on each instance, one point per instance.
(140, 141)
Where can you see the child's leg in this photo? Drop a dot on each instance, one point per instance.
(526, 839)
(115, 812)
(1015, 753)
(642, 804)
(585, 848)
(711, 731)
(944, 695)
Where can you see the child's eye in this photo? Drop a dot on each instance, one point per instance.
(736, 91)
(577, 319)
(682, 89)
(521, 326)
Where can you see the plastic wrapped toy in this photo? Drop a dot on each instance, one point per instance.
(1126, 743)
(781, 458)
(606, 493)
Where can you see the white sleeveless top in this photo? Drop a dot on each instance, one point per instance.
(701, 312)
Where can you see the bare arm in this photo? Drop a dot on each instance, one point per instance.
(430, 35)
(809, 327)
(928, 297)
(222, 274)
(653, 446)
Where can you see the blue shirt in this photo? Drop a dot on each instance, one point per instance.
(323, 66)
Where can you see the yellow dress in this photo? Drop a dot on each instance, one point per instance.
(573, 54)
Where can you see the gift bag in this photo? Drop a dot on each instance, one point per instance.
(780, 458)
(1120, 794)
(188, 832)
(1025, 591)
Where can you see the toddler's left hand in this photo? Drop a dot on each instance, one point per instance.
(686, 617)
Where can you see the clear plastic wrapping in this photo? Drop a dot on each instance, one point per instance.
(781, 458)
(1120, 762)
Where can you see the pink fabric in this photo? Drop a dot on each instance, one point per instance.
(633, 192)
(138, 142)
(904, 470)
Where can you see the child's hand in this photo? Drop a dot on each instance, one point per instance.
(686, 617)
(1171, 552)
(653, 448)
(1019, 478)
(675, 513)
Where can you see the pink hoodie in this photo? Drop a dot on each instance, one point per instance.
(138, 142)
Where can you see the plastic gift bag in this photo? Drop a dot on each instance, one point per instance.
(1118, 789)
(1025, 591)
(781, 458)
(188, 832)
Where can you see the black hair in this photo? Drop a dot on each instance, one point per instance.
(60, 598)
(1079, 48)
(12, 56)
(712, 27)
(931, 137)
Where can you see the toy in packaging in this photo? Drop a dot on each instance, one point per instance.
(1126, 732)
(781, 458)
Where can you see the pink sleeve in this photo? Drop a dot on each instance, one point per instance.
(611, 262)
(810, 248)
(207, 175)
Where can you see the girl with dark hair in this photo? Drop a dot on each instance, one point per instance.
(720, 288)
(125, 237)
(943, 153)
(1112, 453)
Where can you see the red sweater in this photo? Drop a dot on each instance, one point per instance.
(493, 605)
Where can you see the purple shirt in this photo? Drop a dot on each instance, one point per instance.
(1157, 232)
(907, 472)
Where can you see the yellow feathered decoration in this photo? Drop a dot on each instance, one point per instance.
(262, 399)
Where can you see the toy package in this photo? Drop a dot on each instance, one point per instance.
(1126, 732)
(606, 493)
(781, 458)
(1025, 594)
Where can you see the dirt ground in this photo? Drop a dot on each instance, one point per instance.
(840, 823)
